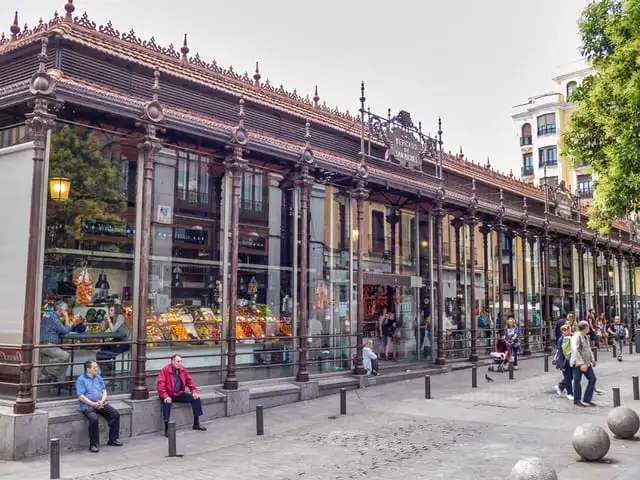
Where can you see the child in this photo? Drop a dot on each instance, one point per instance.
(562, 362)
(369, 359)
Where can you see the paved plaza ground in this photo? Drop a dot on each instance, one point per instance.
(390, 431)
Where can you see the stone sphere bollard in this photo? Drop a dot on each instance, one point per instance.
(591, 442)
(623, 422)
(532, 468)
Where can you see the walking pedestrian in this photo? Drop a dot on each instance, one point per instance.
(582, 362)
(563, 357)
(619, 333)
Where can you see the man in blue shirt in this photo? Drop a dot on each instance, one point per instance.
(53, 327)
(92, 394)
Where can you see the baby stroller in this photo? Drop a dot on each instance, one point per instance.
(501, 356)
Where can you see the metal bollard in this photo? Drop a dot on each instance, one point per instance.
(171, 434)
(474, 377)
(511, 372)
(259, 420)
(595, 354)
(615, 353)
(54, 452)
(630, 347)
(343, 401)
(427, 387)
(636, 388)
(546, 363)
(616, 397)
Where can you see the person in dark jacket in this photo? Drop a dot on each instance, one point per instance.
(173, 381)
(562, 362)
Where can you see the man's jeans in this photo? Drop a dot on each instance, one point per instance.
(196, 406)
(577, 387)
(567, 380)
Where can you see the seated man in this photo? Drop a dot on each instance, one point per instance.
(173, 380)
(53, 327)
(93, 402)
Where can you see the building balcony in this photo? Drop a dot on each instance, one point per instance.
(552, 163)
(527, 171)
(546, 130)
(585, 191)
(524, 141)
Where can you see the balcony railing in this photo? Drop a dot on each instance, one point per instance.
(548, 163)
(253, 210)
(546, 129)
(526, 140)
(586, 191)
(527, 170)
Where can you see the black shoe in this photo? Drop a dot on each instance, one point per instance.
(166, 429)
(200, 427)
(590, 404)
(94, 449)
(115, 443)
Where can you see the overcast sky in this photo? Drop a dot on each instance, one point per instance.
(468, 61)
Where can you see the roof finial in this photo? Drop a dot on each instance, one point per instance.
(184, 50)
(488, 165)
(316, 97)
(461, 153)
(15, 28)
(69, 8)
(257, 76)
(511, 173)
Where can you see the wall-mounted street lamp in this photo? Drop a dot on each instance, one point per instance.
(59, 188)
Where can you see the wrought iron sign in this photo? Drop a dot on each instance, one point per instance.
(404, 142)
(563, 201)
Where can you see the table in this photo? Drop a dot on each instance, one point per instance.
(102, 336)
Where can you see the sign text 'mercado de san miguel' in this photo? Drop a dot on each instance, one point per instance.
(405, 148)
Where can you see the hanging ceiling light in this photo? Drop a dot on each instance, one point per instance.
(59, 188)
(102, 282)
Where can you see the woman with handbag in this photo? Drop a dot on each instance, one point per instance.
(511, 335)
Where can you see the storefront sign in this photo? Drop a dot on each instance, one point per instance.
(164, 214)
(110, 229)
(10, 355)
(405, 148)
(253, 243)
(191, 236)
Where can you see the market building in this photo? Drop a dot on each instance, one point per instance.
(258, 233)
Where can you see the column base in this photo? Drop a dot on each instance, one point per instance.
(548, 349)
(302, 377)
(141, 393)
(527, 351)
(359, 370)
(474, 357)
(24, 406)
(230, 384)
(441, 361)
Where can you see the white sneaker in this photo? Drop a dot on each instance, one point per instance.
(570, 397)
(558, 391)
(598, 391)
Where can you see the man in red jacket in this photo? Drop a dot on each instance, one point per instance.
(173, 380)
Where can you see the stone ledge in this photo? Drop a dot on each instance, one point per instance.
(70, 413)
(273, 390)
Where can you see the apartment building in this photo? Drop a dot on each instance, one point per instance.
(540, 123)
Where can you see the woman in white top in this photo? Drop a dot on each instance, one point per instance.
(369, 358)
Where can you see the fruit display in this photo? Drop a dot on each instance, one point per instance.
(179, 332)
(284, 328)
(84, 292)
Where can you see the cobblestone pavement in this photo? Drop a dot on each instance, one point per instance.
(390, 431)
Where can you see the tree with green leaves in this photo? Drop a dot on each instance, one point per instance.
(605, 130)
(96, 183)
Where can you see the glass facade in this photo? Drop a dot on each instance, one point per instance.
(89, 247)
